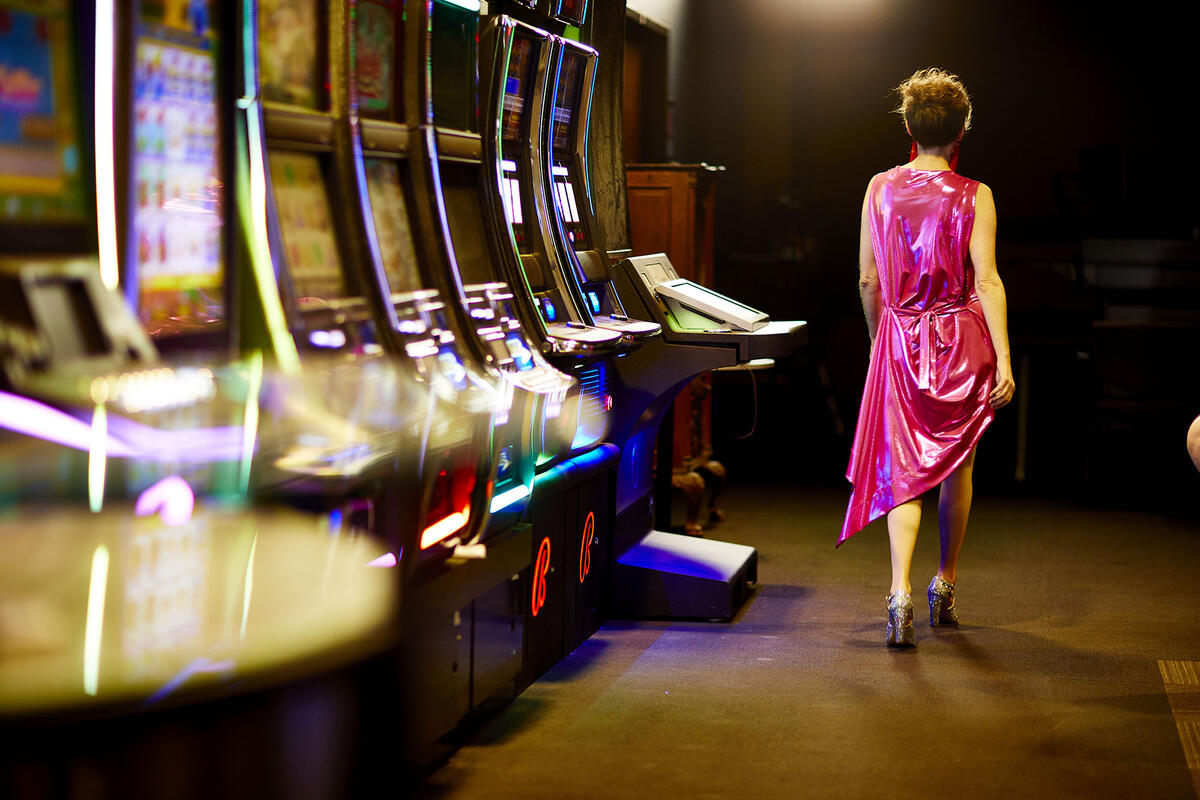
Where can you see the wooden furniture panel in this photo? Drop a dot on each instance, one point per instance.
(671, 211)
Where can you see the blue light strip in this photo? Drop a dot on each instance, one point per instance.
(508, 498)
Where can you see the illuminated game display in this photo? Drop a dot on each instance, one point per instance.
(573, 11)
(178, 193)
(307, 224)
(289, 39)
(390, 214)
(566, 100)
(520, 73)
(376, 58)
(40, 171)
(520, 65)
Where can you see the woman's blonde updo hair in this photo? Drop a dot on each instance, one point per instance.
(935, 106)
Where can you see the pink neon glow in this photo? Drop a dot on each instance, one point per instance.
(385, 560)
(189, 445)
(32, 418)
(171, 497)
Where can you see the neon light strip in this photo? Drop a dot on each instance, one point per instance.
(248, 586)
(188, 446)
(469, 5)
(106, 181)
(506, 499)
(98, 458)
(36, 419)
(508, 166)
(255, 216)
(94, 629)
(445, 527)
(557, 170)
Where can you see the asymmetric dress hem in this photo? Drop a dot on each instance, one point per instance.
(861, 510)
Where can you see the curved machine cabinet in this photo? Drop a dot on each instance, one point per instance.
(207, 657)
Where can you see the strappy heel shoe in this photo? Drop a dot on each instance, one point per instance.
(941, 602)
(900, 630)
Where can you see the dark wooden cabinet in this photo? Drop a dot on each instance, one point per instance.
(671, 211)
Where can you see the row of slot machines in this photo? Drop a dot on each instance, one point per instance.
(325, 279)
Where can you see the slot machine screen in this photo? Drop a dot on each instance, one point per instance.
(465, 216)
(41, 174)
(306, 221)
(390, 214)
(178, 194)
(453, 66)
(516, 84)
(572, 11)
(376, 59)
(289, 42)
(566, 99)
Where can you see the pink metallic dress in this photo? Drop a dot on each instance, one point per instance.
(925, 403)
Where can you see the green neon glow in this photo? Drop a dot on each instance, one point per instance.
(252, 206)
(98, 458)
(248, 585)
(94, 629)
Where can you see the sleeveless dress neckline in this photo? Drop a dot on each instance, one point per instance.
(925, 402)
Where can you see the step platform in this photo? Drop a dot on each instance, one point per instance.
(672, 576)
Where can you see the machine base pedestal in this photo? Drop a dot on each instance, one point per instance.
(671, 576)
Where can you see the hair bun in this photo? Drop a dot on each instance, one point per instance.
(935, 106)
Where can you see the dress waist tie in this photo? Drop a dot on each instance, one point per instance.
(925, 334)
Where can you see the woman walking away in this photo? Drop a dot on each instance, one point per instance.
(940, 366)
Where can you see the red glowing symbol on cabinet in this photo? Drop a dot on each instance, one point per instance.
(540, 568)
(585, 546)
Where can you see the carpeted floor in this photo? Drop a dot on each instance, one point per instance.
(1051, 687)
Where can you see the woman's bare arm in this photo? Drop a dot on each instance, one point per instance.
(868, 274)
(991, 292)
(1193, 442)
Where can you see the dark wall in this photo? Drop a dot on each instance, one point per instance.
(796, 104)
(1078, 128)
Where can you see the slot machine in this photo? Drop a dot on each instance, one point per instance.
(463, 634)
(413, 287)
(654, 573)
(138, 578)
(576, 229)
(69, 345)
(451, 143)
(303, 207)
(574, 515)
(549, 320)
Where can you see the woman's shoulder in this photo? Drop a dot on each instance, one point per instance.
(879, 178)
(977, 188)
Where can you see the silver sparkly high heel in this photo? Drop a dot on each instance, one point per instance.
(941, 602)
(900, 630)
